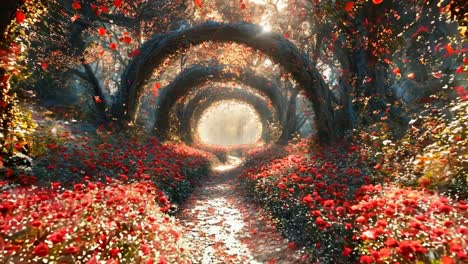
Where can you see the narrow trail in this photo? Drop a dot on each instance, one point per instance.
(222, 226)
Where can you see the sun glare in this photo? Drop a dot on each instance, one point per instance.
(229, 122)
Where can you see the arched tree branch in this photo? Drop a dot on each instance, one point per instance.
(200, 75)
(194, 111)
(278, 48)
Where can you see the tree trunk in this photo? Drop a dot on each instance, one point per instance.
(100, 100)
(290, 124)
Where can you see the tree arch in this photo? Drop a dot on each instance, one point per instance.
(198, 75)
(278, 48)
(257, 102)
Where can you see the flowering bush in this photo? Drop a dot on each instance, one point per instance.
(324, 198)
(118, 223)
(308, 195)
(174, 168)
(407, 225)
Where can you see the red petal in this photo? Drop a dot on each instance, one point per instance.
(20, 17)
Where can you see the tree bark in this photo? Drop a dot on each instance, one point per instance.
(100, 100)
(290, 124)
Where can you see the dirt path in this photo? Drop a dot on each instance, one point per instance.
(223, 227)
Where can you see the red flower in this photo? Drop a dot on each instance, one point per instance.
(366, 259)
(307, 199)
(409, 247)
(117, 3)
(391, 242)
(424, 182)
(346, 251)
(381, 223)
(57, 237)
(20, 17)
(36, 223)
(385, 252)
(41, 250)
(378, 166)
(113, 46)
(448, 223)
(78, 187)
(102, 31)
(73, 249)
(114, 252)
(93, 260)
(340, 210)
(76, 5)
(91, 186)
(361, 220)
(329, 204)
(162, 260)
(420, 217)
(6, 207)
(163, 200)
(455, 247)
(44, 65)
(292, 245)
(320, 222)
(104, 9)
(126, 39)
(348, 7)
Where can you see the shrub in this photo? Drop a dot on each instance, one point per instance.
(408, 225)
(324, 198)
(93, 222)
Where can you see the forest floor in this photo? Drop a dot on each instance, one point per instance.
(223, 226)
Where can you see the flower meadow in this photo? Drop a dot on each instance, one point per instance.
(110, 198)
(329, 201)
(118, 223)
(98, 200)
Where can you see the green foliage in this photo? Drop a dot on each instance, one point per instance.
(16, 126)
(431, 154)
